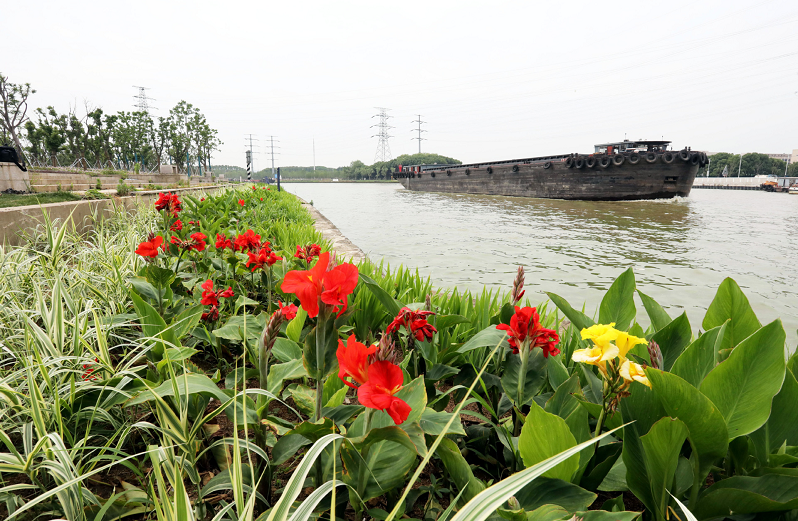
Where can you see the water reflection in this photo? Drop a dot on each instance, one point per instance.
(576, 248)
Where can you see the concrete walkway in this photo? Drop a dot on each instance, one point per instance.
(341, 245)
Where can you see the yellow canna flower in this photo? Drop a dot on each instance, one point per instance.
(632, 372)
(600, 334)
(595, 355)
(625, 342)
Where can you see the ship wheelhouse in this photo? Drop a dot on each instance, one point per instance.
(631, 146)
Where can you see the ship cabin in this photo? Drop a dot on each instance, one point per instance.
(631, 146)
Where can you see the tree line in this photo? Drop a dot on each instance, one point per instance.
(752, 164)
(357, 170)
(95, 138)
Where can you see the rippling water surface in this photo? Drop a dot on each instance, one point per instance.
(681, 249)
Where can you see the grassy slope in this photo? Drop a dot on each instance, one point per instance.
(9, 200)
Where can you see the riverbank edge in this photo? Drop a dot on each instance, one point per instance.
(340, 243)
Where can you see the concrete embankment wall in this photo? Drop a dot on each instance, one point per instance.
(345, 248)
(728, 183)
(81, 214)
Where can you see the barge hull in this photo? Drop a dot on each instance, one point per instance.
(643, 180)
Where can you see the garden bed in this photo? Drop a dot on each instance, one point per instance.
(165, 365)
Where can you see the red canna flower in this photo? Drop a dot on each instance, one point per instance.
(289, 311)
(268, 189)
(254, 187)
(199, 241)
(248, 241)
(241, 202)
(353, 361)
(202, 199)
(150, 248)
(414, 322)
(210, 297)
(320, 285)
(177, 226)
(261, 198)
(170, 203)
(222, 242)
(384, 381)
(264, 257)
(88, 371)
(525, 330)
(211, 315)
(307, 253)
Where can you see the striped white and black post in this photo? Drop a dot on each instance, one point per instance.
(249, 165)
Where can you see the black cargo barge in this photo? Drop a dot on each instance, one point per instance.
(619, 171)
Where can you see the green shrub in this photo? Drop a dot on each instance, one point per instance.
(123, 189)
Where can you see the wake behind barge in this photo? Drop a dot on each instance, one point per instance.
(618, 171)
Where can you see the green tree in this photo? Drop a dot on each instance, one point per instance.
(13, 110)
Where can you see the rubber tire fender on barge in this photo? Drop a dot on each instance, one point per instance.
(634, 158)
(668, 157)
(580, 162)
(684, 155)
(569, 162)
(618, 159)
(695, 158)
(547, 164)
(651, 157)
(590, 162)
(604, 161)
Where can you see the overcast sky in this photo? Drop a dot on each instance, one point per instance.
(493, 80)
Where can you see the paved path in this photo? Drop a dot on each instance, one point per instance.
(341, 245)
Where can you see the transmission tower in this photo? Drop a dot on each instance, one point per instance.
(419, 138)
(383, 148)
(272, 140)
(143, 105)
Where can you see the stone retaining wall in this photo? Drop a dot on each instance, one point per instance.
(341, 245)
(80, 213)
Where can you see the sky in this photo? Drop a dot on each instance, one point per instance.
(491, 80)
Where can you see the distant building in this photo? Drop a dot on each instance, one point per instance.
(784, 157)
(794, 156)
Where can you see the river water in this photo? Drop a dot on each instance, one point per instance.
(681, 249)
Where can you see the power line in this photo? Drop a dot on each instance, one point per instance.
(143, 100)
(383, 148)
(419, 138)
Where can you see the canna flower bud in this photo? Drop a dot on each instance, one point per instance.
(386, 351)
(428, 303)
(655, 354)
(518, 286)
(513, 503)
(271, 330)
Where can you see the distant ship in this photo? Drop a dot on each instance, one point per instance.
(623, 170)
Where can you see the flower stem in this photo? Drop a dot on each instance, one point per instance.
(321, 344)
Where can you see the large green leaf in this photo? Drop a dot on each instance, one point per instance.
(294, 328)
(707, 429)
(433, 423)
(641, 411)
(662, 445)
(522, 379)
(577, 318)
(658, 316)
(459, 470)
(618, 304)
(488, 337)
(744, 385)
(543, 436)
(486, 502)
(384, 468)
(242, 327)
(782, 425)
(550, 491)
(672, 339)
(286, 350)
(730, 303)
(748, 495)
(391, 304)
(700, 357)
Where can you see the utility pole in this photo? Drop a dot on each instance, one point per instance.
(271, 139)
(250, 157)
(419, 138)
(740, 167)
(142, 105)
(383, 148)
